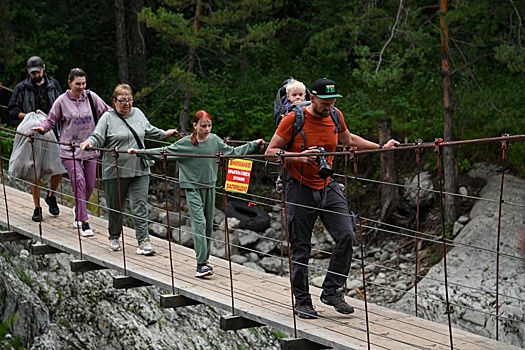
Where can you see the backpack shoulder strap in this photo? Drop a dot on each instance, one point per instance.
(297, 126)
(277, 108)
(92, 104)
(336, 118)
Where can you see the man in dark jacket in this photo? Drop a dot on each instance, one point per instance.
(37, 92)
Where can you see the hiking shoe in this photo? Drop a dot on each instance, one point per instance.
(76, 223)
(52, 202)
(114, 245)
(209, 266)
(37, 215)
(338, 302)
(86, 230)
(203, 271)
(305, 311)
(145, 248)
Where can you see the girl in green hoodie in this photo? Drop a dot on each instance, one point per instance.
(198, 176)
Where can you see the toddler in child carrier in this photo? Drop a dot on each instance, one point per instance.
(291, 94)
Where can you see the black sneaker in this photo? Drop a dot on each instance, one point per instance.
(338, 302)
(37, 215)
(305, 311)
(52, 202)
(203, 271)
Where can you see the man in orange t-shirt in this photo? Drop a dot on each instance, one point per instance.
(310, 195)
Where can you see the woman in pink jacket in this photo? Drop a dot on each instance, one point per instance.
(73, 113)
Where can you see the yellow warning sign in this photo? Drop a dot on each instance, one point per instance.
(238, 175)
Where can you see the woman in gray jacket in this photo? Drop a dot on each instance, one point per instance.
(113, 131)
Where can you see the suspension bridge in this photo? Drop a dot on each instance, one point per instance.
(252, 298)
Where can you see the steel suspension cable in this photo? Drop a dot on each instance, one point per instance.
(165, 169)
(121, 218)
(418, 204)
(354, 159)
(504, 147)
(438, 147)
(3, 187)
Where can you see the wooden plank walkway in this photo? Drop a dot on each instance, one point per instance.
(257, 296)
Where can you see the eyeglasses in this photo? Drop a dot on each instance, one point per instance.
(123, 102)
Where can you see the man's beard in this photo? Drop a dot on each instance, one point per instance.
(38, 80)
(320, 113)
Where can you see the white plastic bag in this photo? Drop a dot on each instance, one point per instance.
(46, 153)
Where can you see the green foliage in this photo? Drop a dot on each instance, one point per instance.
(278, 334)
(433, 256)
(218, 36)
(7, 341)
(7, 145)
(25, 277)
(449, 230)
(386, 60)
(516, 154)
(464, 165)
(512, 56)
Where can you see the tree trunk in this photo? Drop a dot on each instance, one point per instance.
(449, 153)
(122, 58)
(191, 68)
(389, 193)
(138, 48)
(244, 59)
(8, 52)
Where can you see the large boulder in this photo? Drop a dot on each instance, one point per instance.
(426, 194)
(472, 270)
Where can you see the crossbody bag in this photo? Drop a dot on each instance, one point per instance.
(147, 162)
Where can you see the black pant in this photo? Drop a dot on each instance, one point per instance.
(304, 206)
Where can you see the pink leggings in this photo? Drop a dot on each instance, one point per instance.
(83, 183)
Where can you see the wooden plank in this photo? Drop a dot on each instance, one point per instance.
(125, 282)
(12, 236)
(84, 266)
(234, 323)
(43, 249)
(300, 344)
(176, 300)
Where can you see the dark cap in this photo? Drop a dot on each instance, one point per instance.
(325, 88)
(35, 64)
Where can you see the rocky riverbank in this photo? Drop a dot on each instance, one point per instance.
(44, 306)
(472, 268)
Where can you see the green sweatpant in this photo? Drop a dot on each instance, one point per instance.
(136, 188)
(201, 203)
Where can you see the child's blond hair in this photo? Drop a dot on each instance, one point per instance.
(295, 85)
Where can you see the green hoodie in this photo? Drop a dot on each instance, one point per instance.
(199, 172)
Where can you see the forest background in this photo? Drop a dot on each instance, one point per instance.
(230, 57)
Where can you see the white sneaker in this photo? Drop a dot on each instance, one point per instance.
(145, 248)
(86, 230)
(114, 245)
(76, 224)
